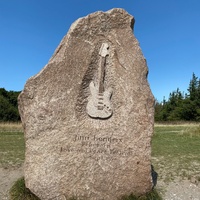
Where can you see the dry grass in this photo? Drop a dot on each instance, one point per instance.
(175, 124)
(11, 127)
(19, 191)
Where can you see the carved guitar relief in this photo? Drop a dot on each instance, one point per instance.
(99, 101)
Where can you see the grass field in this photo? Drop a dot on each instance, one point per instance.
(11, 145)
(175, 149)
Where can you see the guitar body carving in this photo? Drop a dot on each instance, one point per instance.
(99, 104)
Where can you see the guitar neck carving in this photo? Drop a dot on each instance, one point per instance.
(99, 101)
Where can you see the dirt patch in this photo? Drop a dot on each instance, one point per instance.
(7, 179)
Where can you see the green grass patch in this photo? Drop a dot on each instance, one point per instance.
(20, 192)
(176, 150)
(175, 142)
(12, 149)
(153, 195)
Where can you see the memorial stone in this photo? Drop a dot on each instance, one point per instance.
(88, 116)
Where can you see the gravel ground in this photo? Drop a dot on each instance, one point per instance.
(179, 190)
(7, 178)
(184, 190)
(176, 190)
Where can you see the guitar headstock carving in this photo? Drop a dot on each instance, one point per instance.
(104, 50)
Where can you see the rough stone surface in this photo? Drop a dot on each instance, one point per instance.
(70, 153)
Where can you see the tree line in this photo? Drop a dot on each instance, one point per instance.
(181, 106)
(8, 106)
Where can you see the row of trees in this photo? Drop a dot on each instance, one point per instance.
(8, 106)
(181, 106)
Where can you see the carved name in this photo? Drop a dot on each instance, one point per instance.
(97, 145)
(96, 138)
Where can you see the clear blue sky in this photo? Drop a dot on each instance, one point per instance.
(168, 32)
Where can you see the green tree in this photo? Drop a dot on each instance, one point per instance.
(180, 106)
(8, 105)
(193, 87)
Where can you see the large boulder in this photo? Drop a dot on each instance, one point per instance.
(88, 116)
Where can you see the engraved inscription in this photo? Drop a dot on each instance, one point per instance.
(97, 145)
(96, 138)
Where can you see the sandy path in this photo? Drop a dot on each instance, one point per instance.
(179, 190)
(184, 190)
(7, 178)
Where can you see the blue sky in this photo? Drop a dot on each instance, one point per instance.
(168, 32)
